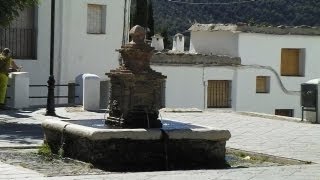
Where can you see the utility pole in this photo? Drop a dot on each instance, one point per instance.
(51, 81)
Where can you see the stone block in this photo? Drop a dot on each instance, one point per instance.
(19, 90)
(89, 91)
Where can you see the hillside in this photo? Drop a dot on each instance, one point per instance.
(177, 17)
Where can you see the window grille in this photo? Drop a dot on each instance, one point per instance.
(21, 36)
(96, 21)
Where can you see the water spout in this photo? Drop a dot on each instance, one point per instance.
(62, 141)
(148, 120)
(165, 139)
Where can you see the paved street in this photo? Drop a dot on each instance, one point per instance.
(285, 138)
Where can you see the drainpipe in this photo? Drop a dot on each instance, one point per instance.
(60, 33)
(126, 26)
(126, 21)
(204, 86)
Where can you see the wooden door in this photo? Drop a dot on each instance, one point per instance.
(219, 94)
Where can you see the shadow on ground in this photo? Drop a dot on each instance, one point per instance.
(24, 134)
(15, 114)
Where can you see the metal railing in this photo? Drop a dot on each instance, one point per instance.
(22, 42)
(71, 92)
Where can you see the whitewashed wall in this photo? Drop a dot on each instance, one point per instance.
(268, 53)
(39, 69)
(186, 87)
(217, 43)
(76, 52)
(89, 53)
(249, 100)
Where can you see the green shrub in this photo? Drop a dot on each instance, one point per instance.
(45, 151)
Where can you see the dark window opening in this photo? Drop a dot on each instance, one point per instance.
(21, 36)
(284, 112)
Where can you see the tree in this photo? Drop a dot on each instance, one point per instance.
(166, 39)
(150, 20)
(9, 9)
(142, 14)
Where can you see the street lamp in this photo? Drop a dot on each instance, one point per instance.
(51, 81)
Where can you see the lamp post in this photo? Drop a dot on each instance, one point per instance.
(51, 81)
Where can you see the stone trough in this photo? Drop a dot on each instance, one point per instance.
(139, 149)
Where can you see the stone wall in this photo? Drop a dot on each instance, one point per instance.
(146, 155)
(139, 149)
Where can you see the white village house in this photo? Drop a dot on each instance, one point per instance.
(275, 61)
(87, 32)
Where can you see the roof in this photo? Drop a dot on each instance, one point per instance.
(157, 36)
(245, 28)
(176, 59)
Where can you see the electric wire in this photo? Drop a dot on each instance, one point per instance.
(218, 3)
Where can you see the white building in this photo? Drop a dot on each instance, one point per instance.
(87, 32)
(275, 61)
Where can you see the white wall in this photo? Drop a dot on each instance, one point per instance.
(268, 53)
(186, 87)
(39, 69)
(217, 43)
(76, 52)
(90, 53)
(249, 100)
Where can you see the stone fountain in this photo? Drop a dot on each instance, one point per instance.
(135, 87)
(133, 138)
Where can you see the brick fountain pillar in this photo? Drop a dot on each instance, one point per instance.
(135, 97)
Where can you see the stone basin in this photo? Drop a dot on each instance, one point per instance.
(173, 147)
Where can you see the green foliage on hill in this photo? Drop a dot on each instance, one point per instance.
(177, 17)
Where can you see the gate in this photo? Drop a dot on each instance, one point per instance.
(219, 92)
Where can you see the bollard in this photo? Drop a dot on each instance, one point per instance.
(19, 90)
(89, 91)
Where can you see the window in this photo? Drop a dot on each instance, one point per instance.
(292, 62)
(262, 84)
(21, 36)
(284, 112)
(96, 19)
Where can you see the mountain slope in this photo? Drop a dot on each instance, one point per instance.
(176, 17)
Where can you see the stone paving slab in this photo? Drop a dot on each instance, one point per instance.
(274, 173)
(13, 172)
(22, 128)
(279, 138)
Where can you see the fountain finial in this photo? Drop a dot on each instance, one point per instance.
(138, 35)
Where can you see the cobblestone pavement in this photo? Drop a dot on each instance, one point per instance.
(289, 139)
